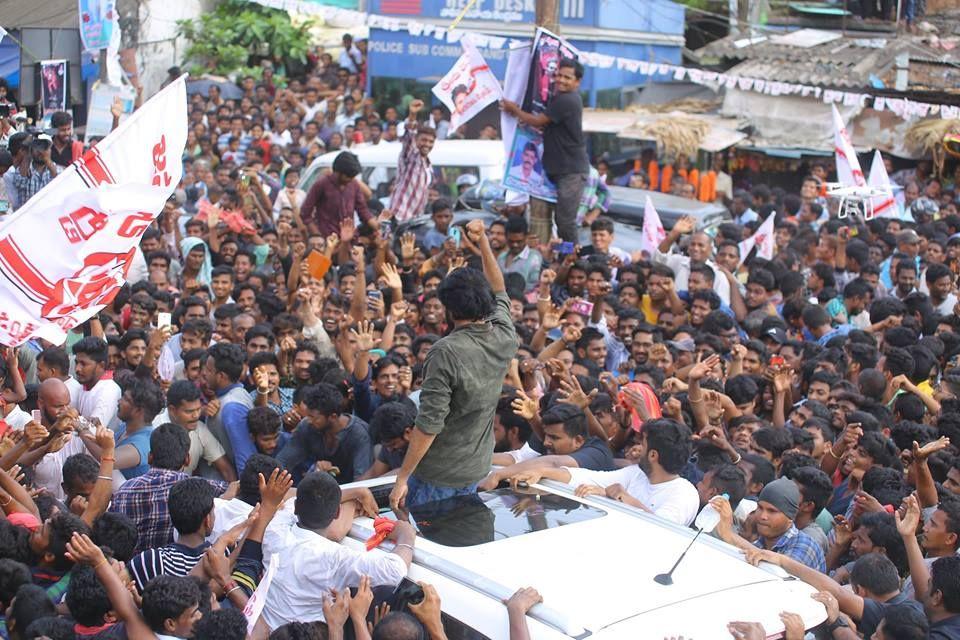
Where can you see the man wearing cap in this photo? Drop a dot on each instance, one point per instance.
(465, 181)
(777, 507)
(36, 169)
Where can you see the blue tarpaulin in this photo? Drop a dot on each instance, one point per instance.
(10, 61)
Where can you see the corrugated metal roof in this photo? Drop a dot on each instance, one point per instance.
(846, 62)
(49, 14)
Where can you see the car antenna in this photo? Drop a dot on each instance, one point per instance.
(666, 579)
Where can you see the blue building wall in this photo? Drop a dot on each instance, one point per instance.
(397, 54)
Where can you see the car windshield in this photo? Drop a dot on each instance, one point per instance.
(465, 521)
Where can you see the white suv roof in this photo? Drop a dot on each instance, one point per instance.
(593, 560)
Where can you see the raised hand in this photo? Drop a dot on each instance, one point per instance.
(104, 439)
(398, 310)
(348, 229)
(274, 489)
(571, 334)
(364, 337)
(548, 277)
(908, 522)
(703, 368)
(360, 603)
(81, 550)
(782, 379)
(408, 243)
(551, 319)
(357, 256)
(476, 232)
(333, 241)
(392, 276)
(262, 380)
(573, 393)
(685, 225)
(336, 608)
(922, 453)
(525, 406)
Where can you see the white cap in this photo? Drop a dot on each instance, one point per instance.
(466, 180)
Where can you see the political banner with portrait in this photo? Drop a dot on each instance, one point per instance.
(99, 23)
(524, 171)
(548, 50)
(468, 87)
(53, 85)
(65, 254)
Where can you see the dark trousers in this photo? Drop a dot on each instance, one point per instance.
(569, 194)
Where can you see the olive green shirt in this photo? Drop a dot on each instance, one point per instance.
(462, 378)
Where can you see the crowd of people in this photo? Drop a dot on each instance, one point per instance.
(273, 344)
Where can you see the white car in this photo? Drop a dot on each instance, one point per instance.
(593, 560)
(482, 158)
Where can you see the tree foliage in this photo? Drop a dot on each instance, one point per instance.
(230, 39)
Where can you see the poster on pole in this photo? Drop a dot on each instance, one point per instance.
(98, 23)
(99, 117)
(468, 87)
(53, 85)
(524, 166)
(548, 51)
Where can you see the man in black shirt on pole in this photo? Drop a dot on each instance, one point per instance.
(564, 152)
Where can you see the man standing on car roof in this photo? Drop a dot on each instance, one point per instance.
(564, 152)
(451, 446)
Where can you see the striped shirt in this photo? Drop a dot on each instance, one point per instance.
(172, 560)
(414, 174)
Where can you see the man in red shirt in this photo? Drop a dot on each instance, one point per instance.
(335, 197)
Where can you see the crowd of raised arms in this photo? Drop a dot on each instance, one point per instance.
(269, 348)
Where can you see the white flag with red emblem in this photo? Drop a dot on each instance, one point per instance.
(653, 231)
(884, 206)
(849, 172)
(763, 239)
(65, 253)
(468, 87)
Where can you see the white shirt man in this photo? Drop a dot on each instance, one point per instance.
(100, 401)
(311, 565)
(675, 500)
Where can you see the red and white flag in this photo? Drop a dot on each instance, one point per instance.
(468, 87)
(653, 231)
(884, 206)
(849, 172)
(763, 239)
(65, 253)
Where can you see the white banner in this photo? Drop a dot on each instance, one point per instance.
(653, 231)
(763, 240)
(65, 253)
(259, 597)
(468, 87)
(884, 206)
(849, 173)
